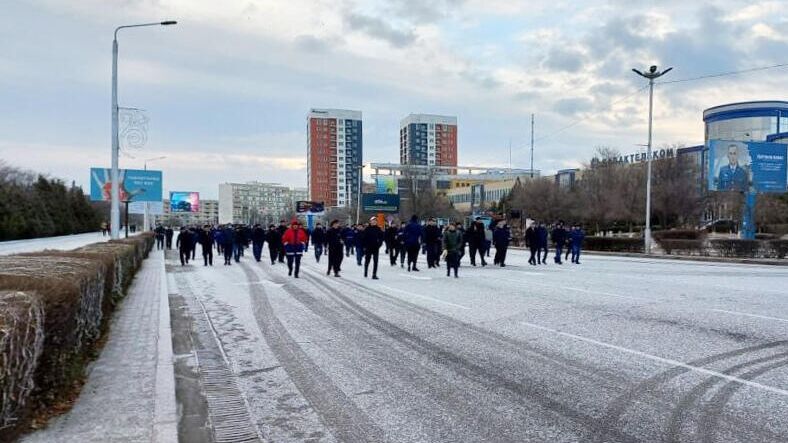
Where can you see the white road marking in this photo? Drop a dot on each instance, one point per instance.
(766, 317)
(666, 361)
(422, 296)
(414, 277)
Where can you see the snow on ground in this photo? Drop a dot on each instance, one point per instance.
(614, 349)
(62, 243)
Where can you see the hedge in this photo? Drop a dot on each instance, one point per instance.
(682, 246)
(613, 244)
(678, 234)
(76, 291)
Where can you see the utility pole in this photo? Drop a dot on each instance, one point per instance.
(532, 145)
(652, 74)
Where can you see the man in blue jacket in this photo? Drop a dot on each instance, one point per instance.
(258, 239)
(541, 248)
(228, 240)
(413, 236)
(349, 236)
(576, 238)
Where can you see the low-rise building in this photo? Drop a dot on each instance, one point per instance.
(207, 215)
(256, 202)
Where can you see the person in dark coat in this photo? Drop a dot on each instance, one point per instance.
(403, 250)
(228, 240)
(358, 246)
(432, 240)
(413, 237)
(559, 238)
(195, 240)
(452, 240)
(217, 239)
(281, 229)
(168, 234)
(531, 242)
(159, 236)
(461, 248)
(335, 246)
(274, 240)
(258, 239)
(476, 241)
(318, 240)
(576, 241)
(206, 243)
(501, 238)
(371, 240)
(392, 243)
(541, 245)
(184, 243)
(349, 237)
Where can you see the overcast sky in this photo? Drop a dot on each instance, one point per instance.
(227, 90)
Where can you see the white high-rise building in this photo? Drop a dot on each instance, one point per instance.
(256, 202)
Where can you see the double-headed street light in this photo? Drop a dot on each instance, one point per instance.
(652, 74)
(115, 193)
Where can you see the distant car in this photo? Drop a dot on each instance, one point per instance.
(722, 226)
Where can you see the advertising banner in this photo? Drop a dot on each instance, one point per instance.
(154, 208)
(184, 201)
(135, 185)
(747, 166)
(310, 207)
(386, 184)
(380, 202)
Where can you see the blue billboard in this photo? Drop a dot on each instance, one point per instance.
(135, 185)
(380, 202)
(747, 166)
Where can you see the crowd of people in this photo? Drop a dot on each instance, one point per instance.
(402, 243)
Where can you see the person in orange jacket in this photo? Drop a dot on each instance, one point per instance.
(294, 242)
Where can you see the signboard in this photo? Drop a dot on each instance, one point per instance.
(154, 208)
(310, 207)
(638, 157)
(380, 202)
(386, 184)
(747, 166)
(184, 202)
(135, 185)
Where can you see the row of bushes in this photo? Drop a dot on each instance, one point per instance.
(726, 248)
(54, 306)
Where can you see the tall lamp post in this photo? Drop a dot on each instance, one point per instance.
(145, 223)
(115, 204)
(652, 74)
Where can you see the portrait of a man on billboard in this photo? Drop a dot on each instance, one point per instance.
(733, 171)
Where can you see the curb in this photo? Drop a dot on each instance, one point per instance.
(165, 415)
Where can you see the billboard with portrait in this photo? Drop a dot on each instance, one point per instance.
(184, 201)
(135, 185)
(747, 166)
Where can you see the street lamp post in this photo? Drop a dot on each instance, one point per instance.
(652, 74)
(145, 223)
(115, 193)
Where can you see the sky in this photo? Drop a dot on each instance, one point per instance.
(227, 90)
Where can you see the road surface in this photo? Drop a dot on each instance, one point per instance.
(615, 349)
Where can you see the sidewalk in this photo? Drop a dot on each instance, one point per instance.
(130, 392)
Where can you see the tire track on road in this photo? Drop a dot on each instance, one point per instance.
(338, 412)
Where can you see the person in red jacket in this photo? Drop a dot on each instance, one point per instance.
(294, 242)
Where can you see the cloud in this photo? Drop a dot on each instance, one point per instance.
(380, 29)
(573, 106)
(561, 59)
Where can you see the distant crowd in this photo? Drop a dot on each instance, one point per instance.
(402, 243)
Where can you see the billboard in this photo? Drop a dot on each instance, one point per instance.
(310, 207)
(747, 166)
(154, 208)
(386, 184)
(380, 202)
(184, 201)
(135, 185)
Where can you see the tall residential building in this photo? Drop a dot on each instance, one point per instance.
(427, 140)
(334, 158)
(256, 202)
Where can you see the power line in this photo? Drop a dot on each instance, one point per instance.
(723, 74)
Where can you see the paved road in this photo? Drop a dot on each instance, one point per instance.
(616, 349)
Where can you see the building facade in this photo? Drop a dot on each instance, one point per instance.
(256, 202)
(334, 156)
(748, 121)
(428, 140)
(207, 215)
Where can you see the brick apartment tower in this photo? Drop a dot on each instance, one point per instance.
(334, 156)
(426, 139)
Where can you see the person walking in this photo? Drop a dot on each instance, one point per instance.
(432, 239)
(168, 234)
(559, 238)
(531, 243)
(502, 236)
(195, 240)
(258, 239)
(318, 240)
(184, 245)
(392, 243)
(335, 248)
(371, 240)
(413, 235)
(274, 241)
(294, 242)
(576, 238)
(206, 243)
(463, 240)
(541, 244)
(452, 239)
(476, 239)
(228, 239)
(159, 231)
(349, 237)
(281, 250)
(358, 238)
